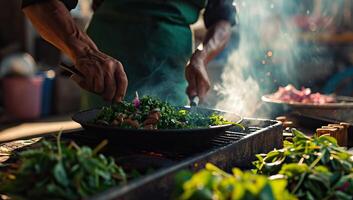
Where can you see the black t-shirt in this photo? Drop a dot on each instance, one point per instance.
(215, 11)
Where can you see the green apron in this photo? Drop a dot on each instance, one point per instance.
(152, 39)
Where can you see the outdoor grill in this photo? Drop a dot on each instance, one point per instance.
(157, 167)
(235, 147)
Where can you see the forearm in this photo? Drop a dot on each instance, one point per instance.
(54, 23)
(216, 39)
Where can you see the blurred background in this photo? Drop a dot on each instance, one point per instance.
(276, 42)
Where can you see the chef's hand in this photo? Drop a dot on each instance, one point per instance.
(103, 75)
(197, 77)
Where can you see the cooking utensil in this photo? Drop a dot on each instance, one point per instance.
(194, 101)
(71, 69)
(164, 138)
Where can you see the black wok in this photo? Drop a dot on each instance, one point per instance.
(160, 138)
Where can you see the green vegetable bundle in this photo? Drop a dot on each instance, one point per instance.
(309, 168)
(60, 172)
(322, 150)
(171, 117)
(316, 168)
(212, 183)
(317, 182)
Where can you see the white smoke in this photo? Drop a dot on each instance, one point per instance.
(240, 94)
(260, 34)
(269, 52)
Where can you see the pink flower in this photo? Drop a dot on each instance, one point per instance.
(136, 101)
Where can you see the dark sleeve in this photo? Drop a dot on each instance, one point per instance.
(70, 4)
(217, 10)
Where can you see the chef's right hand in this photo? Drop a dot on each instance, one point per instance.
(103, 75)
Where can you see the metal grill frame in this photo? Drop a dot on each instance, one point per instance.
(241, 153)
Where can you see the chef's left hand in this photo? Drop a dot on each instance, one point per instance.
(197, 77)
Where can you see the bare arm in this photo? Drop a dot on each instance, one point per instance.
(216, 39)
(219, 17)
(103, 75)
(196, 74)
(55, 24)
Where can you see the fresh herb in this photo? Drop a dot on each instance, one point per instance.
(142, 112)
(317, 182)
(316, 168)
(308, 168)
(212, 183)
(322, 150)
(60, 171)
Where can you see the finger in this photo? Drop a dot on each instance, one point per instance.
(202, 89)
(80, 81)
(121, 83)
(88, 79)
(99, 82)
(109, 86)
(191, 90)
(203, 84)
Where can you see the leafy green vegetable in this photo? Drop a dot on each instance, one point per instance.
(314, 151)
(308, 168)
(316, 168)
(212, 183)
(59, 171)
(170, 117)
(317, 182)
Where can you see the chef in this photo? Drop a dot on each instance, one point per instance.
(136, 45)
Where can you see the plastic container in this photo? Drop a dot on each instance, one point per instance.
(23, 96)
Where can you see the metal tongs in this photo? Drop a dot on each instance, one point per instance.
(194, 101)
(71, 69)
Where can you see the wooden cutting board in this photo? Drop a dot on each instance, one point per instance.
(35, 129)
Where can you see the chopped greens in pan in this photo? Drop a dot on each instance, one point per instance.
(152, 113)
(60, 171)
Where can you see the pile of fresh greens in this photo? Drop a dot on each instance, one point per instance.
(60, 171)
(311, 168)
(171, 117)
(317, 182)
(316, 168)
(212, 183)
(322, 150)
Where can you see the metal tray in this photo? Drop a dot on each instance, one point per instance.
(341, 111)
(343, 102)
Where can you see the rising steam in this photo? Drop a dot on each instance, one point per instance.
(269, 54)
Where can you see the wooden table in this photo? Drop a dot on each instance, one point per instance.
(9, 132)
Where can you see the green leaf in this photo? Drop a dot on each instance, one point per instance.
(299, 136)
(294, 169)
(309, 196)
(343, 196)
(328, 139)
(325, 158)
(60, 174)
(278, 186)
(204, 194)
(266, 193)
(70, 173)
(238, 191)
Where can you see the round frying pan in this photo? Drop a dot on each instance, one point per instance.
(160, 138)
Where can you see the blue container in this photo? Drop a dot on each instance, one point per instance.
(47, 92)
